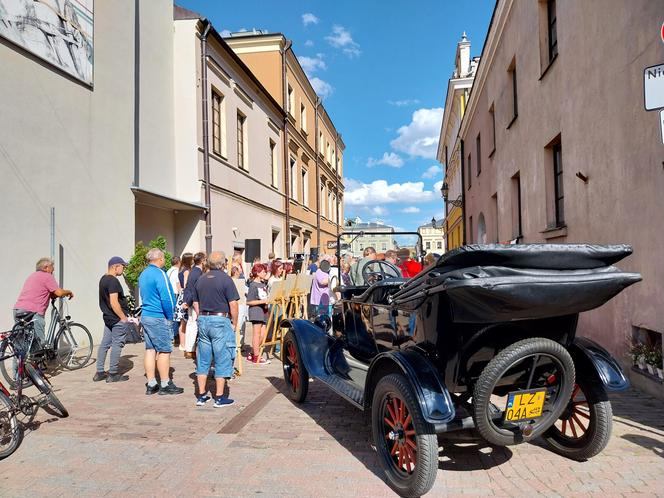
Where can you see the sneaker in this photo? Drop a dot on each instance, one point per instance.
(201, 400)
(220, 402)
(99, 376)
(261, 361)
(181, 347)
(117, 378)
(171, 389)
(250, 357)
(151, 389)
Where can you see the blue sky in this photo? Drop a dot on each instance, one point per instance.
(382, 68)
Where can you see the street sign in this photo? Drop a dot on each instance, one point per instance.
(662, 32)
(653, 87)
(331, 244)
(661, 122)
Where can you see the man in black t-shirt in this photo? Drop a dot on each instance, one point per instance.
(113, 305)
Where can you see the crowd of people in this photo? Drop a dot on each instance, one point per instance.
(196, 307)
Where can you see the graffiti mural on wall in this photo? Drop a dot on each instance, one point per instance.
(58, 31)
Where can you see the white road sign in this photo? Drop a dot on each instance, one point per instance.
(653, 87)
(661, 122)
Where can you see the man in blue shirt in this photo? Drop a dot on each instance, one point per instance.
(158, 304)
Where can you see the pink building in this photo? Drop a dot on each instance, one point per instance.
(557, 146)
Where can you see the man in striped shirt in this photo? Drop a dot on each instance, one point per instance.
(158, 304)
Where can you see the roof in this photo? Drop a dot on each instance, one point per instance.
(180, 13)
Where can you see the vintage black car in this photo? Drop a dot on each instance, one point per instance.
(485, 339)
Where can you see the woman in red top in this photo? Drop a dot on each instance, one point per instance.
(408, 266)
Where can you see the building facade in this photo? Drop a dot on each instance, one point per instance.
(228, 143)
(433, 237)
(313, 149)
(449, 145)
(378, 235)
(72, 151)
(559, 148)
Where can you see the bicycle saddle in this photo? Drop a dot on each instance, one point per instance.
(24, 316)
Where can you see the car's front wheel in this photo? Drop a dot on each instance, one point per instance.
(584, 428)
(295, 373)
(406, 443)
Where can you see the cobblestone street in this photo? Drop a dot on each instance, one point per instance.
(119, 442)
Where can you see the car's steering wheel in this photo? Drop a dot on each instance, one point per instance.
(377, 270)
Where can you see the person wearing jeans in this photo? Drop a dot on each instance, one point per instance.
(215, 300)
(114, 308)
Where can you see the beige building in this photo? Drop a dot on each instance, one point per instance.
(433, 236)
(78, 148)
(235, 161)
(378, 235)
(559, 148)
(449, 144)
(313, 149)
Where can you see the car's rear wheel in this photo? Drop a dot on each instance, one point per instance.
(407, 445)
(584, 428)
(535, 365)
(295, 373)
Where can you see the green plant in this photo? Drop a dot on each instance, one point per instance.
(654, 356)
(138, 262)
(636, 351)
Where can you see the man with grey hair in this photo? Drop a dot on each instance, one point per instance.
(369, 255)
(37, 290)
(158, 306)
(216, 303)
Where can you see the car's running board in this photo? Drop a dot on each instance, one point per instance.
(344, 388)
(455, 425)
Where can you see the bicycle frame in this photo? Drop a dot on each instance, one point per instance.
(57, 321)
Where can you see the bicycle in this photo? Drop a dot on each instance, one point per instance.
(17, 342)
(67, 342)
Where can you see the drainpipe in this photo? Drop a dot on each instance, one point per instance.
(317, 147)
(463, 193)
(284, 86)
(206, 144)
(336, 178)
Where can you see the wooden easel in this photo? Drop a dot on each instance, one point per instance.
(279, 300)
(299, 295)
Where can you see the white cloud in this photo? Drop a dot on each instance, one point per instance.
(437, 186)
(432, 172)
(420, 136)
(341, 38)
(309, 18)
(322, 88)
(389, 159)
(380, 192)
(379, 211)
(403, 103)
(410, 210)
(312, 64)
(225, 33)
(308, 43)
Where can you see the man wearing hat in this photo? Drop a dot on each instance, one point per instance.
(113, 305)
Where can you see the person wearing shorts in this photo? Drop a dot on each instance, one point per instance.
(157, 316)
(258, 311)
(215, 300)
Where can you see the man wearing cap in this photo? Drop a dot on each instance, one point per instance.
(37, 290)
(113, 305)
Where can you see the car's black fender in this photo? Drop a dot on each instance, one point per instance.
(593, 361)
(433, 397)
(313, 343)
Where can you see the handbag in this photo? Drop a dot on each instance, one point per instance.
(134, 333)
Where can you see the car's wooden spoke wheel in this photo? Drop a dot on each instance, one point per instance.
(400, 434)
(584, 427)
(295, 373)
(406, 443)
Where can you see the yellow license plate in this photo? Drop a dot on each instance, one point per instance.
(525, 405)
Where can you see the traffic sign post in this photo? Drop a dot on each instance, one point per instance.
(661, 122)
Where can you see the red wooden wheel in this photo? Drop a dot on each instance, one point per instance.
(400, 434)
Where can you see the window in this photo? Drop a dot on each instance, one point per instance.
(558, 184)
(439, 244)
(470, 229)
(274, 164)
(478, 146)
(384, 247)
(241, 140)
(322, 197)
(216, 123)
(303, 117)
(334, 208)
(515, 106)
(517, 229)
(428, 245)
(492, 114)
(293, 179)
(329, 205)
(470, 172)
(551, 31)
(327, 155)
(291, 101)
(321, 145)
(305, 187)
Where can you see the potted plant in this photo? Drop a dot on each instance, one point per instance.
(656, 358)
(652, 357)
(637, 353)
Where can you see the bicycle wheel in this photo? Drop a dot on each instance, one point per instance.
(57, 406)
(73, 346)
(8, 366)
(11, 432)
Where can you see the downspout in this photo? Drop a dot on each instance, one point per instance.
(316, 149)
(206, 144)
(463, 193)
(286, 155)
(336, 179)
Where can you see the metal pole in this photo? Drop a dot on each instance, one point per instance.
(284, 53)
(52, 234)
(206, 145)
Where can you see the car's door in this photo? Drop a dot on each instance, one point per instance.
(359, 344)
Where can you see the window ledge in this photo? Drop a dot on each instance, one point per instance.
(512, 122)
(546, 69)
(554, 232)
